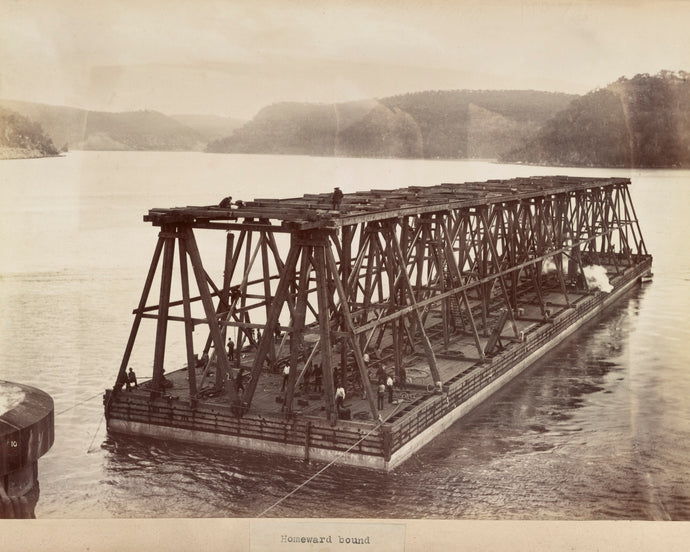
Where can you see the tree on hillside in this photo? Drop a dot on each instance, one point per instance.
(592, 131)
(658, 111)
(22, 133)
(638, 122)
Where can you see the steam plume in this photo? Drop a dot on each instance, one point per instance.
(597, 278)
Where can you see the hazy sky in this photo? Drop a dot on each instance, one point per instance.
(234, 57)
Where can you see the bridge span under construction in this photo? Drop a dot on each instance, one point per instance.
(356, 327)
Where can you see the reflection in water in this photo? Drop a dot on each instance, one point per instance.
(531, 451)
(598, 429)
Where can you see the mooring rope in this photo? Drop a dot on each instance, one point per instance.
(99, 394)
(89, 450)
(342, 453)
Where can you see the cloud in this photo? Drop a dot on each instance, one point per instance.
(242, 52)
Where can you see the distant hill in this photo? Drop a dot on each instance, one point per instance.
(99, 130)
(353, 128)
(65, 125)
(477, 123)
(639, 122)
(22, 138)
(138, 130)
(210, 127)
(434, 124)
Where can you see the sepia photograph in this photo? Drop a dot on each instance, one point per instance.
(344, 275)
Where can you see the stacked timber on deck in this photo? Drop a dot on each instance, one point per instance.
(462, 285)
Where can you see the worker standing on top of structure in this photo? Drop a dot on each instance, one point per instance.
(337, 198)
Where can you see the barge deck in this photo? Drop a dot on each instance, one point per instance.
(449, 290)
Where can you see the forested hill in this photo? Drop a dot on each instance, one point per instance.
(642, 121)
(75, 128)
(20, 137)
(138, 130)
(639, 122)
(434, 124)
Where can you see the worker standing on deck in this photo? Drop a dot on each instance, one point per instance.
(339, 397)
(231, 349)
(389, 386)
(286, 375)
(131, 380)
(337, 199)
(240, 381)
(366, 370)
(381, 373)
(381, 394)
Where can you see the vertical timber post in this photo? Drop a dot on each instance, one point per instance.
(354, 342)
(272, 319)
(223, 368)
(168, 234)
(297, 328)
(431, 358)
(325, 327)
(188, 324)
(121, 375)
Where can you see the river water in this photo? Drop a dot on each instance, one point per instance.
(598, 429)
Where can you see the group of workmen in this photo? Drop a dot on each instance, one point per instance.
(385, 385)
(313, 382)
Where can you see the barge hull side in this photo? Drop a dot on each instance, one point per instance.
(399, 455)
(407, 450)
(246, 443)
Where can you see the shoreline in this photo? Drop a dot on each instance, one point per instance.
(8, 154)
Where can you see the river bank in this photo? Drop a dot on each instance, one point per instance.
(22, 153)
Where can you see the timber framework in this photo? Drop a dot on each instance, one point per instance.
(449, 290)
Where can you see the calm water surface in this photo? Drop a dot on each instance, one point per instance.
(598, 429)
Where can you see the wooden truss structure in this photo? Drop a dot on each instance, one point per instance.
(306, 280)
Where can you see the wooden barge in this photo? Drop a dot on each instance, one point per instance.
(450, 290)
